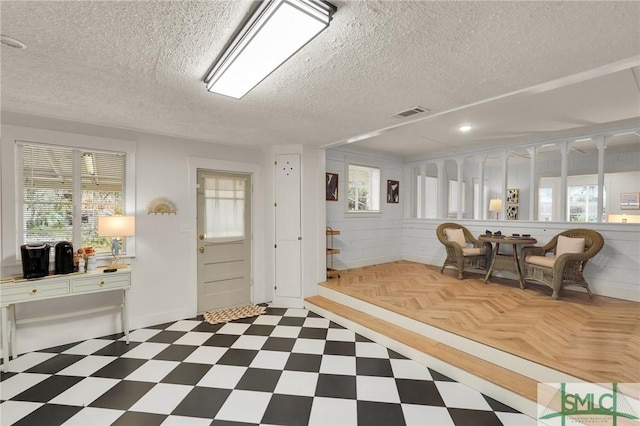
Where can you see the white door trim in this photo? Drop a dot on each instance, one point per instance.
(257, 245)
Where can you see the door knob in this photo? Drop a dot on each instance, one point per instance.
(201, 249)
(201, 236)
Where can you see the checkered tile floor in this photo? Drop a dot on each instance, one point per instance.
(286, 367)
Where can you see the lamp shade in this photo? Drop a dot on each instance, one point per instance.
(495, 205)
(116, 226)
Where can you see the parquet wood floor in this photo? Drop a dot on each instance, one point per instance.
(597, 340)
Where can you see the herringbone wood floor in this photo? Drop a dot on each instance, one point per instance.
(597, 340)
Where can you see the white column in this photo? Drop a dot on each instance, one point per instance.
(442, 208)
(503, 196)
(601, 143)
(423, 196)
(483, 207)
(460, 164)
(564, 150)
(533, 184)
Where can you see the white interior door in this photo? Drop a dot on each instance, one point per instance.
(224, 240)
(288, 282)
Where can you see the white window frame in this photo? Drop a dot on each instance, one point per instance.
(363, 163)
(12, 227)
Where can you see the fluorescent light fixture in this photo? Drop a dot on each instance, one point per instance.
(276, 31)
(89, 163)
(465, 127)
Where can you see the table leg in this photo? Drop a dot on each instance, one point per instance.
(125, 315)
(518, 269)
(5, 339)
(493, 260)
(13, 333)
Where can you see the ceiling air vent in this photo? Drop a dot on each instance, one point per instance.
(409, 112)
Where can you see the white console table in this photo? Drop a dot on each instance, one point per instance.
(18, 290)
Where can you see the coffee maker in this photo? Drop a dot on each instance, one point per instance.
(64, 257)
(35, 260)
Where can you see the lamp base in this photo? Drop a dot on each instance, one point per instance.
(117, 263)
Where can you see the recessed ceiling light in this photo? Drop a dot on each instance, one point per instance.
(465, 127)
(12, 42)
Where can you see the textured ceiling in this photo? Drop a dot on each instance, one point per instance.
(140, 64)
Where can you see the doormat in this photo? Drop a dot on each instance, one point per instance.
(230, 314)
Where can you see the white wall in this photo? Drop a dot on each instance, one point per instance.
(163, 289)
(614, 272)
(366, 240)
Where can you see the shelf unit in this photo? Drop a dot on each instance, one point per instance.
(331, 272)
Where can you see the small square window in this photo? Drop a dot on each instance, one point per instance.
(363, 188)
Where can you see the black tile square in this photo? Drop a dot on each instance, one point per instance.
(420, 392)
(499, 406)
(131, 418)
(292, 321)
(340, 348)
(335, 325)
(205, 327)
(60, 349)
(276, 311)
(119, 368)
(48, 415)
(221, 340)
(461, 416)
(439, 377)
(115, 336)
(202, 402)
(288, 410)
(187, 374)
(118, 348)
(47, 389)
(123, 395)
(55, 364)
(383, 414)
(4, 376)
(239, 357)
(282, 344)
(313, 315)
(395, 355)
(336, 386)
(373, 367)
(167, 336)
(230, 423)
(259, 330)
(175, 353)
(313, 333)
(162, 326)
(248, 320)
(304, 362)
(360, 338)
(260, 380)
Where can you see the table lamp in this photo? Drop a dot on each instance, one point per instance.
(495, 205)
(116, 227)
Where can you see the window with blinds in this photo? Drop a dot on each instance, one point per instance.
(225, 202)
(65, 190)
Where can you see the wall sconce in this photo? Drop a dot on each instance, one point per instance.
(495, 205)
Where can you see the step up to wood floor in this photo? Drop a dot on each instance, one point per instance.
(507, 386)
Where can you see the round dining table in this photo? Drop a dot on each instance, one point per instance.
(506, 262)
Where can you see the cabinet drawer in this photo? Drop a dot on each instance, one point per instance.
(100, 282)
(34, 290)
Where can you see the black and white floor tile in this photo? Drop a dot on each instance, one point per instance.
(286, 367)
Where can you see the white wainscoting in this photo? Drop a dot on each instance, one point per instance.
(614, 272)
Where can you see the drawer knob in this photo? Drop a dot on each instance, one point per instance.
(34, 291)
(101, 283)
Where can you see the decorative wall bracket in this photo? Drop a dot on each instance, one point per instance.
(161, 205)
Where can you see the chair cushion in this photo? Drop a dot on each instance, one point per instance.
(541, 261)
(474, 251)
(569, 245)
(456, 236)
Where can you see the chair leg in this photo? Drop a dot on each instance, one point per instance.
(459, 275)
(555, 294)
(442, 269)
(589, 292)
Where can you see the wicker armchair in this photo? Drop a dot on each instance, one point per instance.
(463, 258)
(564, 270)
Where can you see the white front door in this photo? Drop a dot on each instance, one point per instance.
(224, 239)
